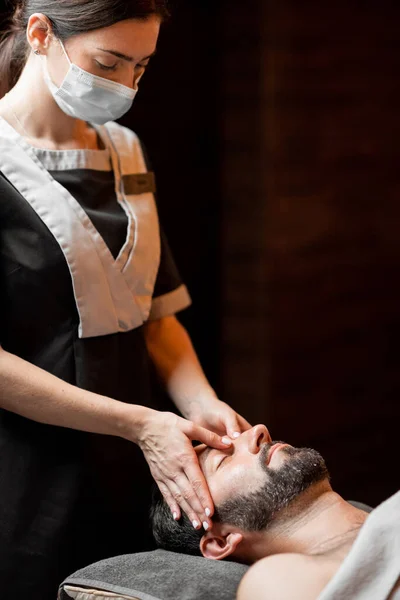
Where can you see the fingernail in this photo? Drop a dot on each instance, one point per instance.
(236, 434)
(208, 512)
(195, 524)
(226, 441)
(206, 525)
(175, 515)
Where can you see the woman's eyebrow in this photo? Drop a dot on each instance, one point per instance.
(124, 56)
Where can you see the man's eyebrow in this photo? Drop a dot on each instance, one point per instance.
(124, 56)
(205, 454)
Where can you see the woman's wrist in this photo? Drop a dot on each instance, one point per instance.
(132, 421)
(195, 404)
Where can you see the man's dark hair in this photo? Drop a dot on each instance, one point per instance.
(176, 536)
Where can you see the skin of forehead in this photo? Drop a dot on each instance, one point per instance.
(119, 37)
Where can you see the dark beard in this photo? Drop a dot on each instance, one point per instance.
(257, 510)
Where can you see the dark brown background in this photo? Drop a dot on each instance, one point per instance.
(273, 127)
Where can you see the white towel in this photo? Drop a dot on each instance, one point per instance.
(372, 568)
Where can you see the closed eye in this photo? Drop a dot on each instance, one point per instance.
(106, 67)
(221, 461)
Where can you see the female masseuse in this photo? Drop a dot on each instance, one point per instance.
(88, 296)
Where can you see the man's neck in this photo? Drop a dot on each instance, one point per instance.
(317, 522)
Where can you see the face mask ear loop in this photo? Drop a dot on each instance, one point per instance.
(65, 52)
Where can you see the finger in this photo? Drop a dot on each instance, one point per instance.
(169, 499)
(207, 437)
(199, 484)
(188, 488)
(233, 428)
(184, 495)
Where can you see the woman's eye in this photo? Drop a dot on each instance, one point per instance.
(106, 67)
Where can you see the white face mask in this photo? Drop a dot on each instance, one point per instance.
(89, 97)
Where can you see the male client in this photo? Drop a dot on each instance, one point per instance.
(276, 510)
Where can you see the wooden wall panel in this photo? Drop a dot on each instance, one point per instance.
(244, 339)
(312, 313)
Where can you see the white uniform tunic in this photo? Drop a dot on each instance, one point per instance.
(83, 265)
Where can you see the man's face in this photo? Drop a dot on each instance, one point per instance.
(257, 475)
(239, 468)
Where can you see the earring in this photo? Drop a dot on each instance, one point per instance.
(36, 52)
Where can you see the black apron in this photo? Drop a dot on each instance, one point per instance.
(80, 273)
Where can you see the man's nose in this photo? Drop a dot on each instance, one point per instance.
(257, 436)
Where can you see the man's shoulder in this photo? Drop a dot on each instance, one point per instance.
(283, 576)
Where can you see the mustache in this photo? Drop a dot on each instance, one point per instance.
(267, 447)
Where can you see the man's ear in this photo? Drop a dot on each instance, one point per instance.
(216, 544)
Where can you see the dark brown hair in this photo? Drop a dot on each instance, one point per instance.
(68, 18)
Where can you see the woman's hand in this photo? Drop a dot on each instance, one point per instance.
(165, 440)
(217, 416)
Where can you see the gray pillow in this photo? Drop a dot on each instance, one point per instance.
(157, 575)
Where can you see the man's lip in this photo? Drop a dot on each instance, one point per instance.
(273, 449)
